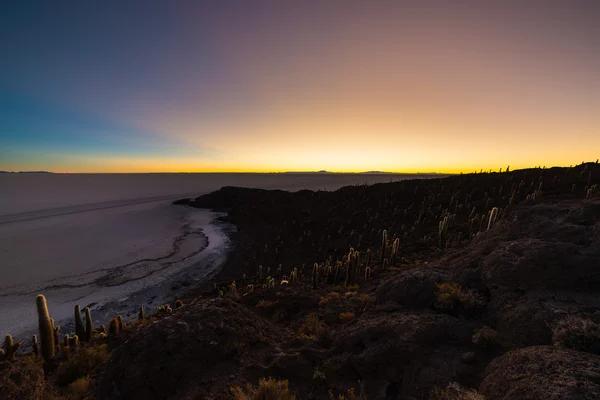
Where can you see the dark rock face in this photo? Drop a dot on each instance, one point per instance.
(404, 354)
(538, 264)
(543, 372)
(21, 380)
(185, 355)
(412, 289)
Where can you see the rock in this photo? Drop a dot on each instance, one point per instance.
(21, 380)
(403, 354)
(412, 289)
(468, 358)
(204, 342)
(543, 372)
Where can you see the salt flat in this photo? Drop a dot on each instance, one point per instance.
(99, 239)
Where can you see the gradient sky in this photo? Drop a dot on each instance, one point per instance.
(146, 86)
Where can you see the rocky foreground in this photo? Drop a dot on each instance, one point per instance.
(491, 290)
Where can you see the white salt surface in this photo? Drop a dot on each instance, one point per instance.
(103, 239)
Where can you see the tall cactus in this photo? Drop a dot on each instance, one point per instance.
(315, 275)
(141, 313)
(493, 217)
(383, 245)
(79, 329)
(45, 326)
(89, 326)
(34, 345)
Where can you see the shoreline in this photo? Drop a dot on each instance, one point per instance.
(123, 289)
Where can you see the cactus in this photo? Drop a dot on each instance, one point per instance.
(79, 329)
(179, 303)
(34, 345)
(56, 330)
(10, 348)
(337, 273)
(385, 264)
(232, 289)
(74, 341)
(315, 275)
(141, 313)
(45, 327)
(368, 274)
(395, 251)
(243, 281)
(368, 257)
(383, 244)
(89, 326)
(493, 217)
(67, 340)
(120, 324)
(103, 330)
(113, 327)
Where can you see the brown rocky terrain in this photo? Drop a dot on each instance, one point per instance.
(459, 308)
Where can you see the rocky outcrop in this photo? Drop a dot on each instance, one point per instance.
(186, 355)
(543, 372)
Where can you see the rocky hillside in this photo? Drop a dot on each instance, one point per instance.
(467, 287)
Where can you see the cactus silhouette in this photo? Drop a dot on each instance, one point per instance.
(10, 348)
(120, 322)
(89, 326)
(113, 327)
(34, 345)
(79, 329)
(45, 327)
(383, 245)
(141, 313)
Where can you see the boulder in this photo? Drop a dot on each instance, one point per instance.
(543, 372)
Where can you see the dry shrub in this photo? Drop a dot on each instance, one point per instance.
(450, 295)
(331, 299)
(366, 299)
(349, 294)
(315, 328)
(81, 364)
(349, 395)
(486, 336)
(577, 333)
(266, 304)
(268, 389)
(79, 387)
(353, 288)
(347, 316)
(456, 392)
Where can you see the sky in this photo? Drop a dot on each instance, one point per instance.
(403, 86)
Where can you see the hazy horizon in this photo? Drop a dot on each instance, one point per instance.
(269, 86)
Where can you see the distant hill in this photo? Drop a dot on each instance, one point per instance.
(25, 172)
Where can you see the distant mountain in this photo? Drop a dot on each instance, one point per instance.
(25, 172)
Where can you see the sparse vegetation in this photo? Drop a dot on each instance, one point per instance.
(331, 299)
(266, 304)
(347, 316)
(82, 363)
(451, 295)
(454, 391)
(267, 389)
